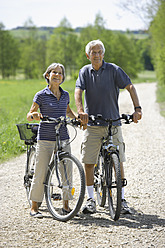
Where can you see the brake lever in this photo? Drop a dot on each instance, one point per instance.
(128, 118)
(75, 122)
(44, 118)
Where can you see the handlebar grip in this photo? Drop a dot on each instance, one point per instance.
(127, 118)
(44, 118)
(75, 122)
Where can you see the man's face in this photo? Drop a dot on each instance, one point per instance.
(96, 56)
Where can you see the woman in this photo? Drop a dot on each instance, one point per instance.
(52, 101)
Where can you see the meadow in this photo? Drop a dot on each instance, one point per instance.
(16, 97)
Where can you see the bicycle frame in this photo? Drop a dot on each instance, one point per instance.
(26, 177)
(107, 173)
(59, 152)
(65, 179)
(107, 142)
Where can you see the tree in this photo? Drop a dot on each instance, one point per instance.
(88, 33)
(158, 42)
(63, 46)
(125, 54)
(144, 50)
(119, 49)
(144, 9)
(9, 53)
(33, 52)
(154, 11)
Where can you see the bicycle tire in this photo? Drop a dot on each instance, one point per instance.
(29, 172)
(72, 188)
(114, 186)
(99, 181)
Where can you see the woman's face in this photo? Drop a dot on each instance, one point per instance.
(56, 75)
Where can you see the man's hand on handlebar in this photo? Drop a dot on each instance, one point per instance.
(137, 115)
(84, 120)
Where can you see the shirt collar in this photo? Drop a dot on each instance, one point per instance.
(101, 68)
(48, 91)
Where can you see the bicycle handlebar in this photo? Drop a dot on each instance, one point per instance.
(62, 120)
(128, 119)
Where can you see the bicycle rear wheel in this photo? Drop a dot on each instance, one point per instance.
(65, 181)
(29, 172)
(99, 181)
(114, 186)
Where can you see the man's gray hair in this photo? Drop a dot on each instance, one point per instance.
(93, 43)
(52, 67)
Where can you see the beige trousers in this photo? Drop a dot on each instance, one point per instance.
(44, 152)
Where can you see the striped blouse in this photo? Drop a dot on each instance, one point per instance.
(50, 106)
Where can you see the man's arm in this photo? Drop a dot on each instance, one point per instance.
(79, 104)
(137, 115)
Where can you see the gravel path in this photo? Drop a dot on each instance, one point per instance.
(145, 171)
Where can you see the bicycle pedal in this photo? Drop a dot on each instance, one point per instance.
(124, 182)
(56, 197)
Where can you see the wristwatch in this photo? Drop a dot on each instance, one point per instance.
(138, 107)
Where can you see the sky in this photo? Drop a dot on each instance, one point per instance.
(79, 13)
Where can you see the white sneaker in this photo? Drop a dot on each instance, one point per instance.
(90, 207)
(124, 207)
(36, 215)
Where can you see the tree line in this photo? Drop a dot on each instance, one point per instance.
(157, 30)
(32, 54)
(153, 13)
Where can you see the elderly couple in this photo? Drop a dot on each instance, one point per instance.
(101, 82)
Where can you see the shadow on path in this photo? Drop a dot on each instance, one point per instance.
(136, 220)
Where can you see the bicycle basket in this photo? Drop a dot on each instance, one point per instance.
(28, 132)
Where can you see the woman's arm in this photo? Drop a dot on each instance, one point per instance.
(70, 113)
(33, 114)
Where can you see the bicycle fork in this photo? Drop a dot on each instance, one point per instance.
(58, 160)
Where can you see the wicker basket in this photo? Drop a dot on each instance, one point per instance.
(28, 132)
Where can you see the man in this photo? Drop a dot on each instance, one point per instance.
(101, 82)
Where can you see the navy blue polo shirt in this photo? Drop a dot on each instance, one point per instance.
(50, 106)
(102, 89)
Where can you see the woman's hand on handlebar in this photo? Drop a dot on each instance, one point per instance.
(36, 116)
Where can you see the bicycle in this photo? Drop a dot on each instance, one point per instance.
(28, 133)
(107, 174)
(65, 175)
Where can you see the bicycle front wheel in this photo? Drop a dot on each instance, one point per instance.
(114, 186)
(99, 181)
(65, 184)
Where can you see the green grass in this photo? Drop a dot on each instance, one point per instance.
(24, 33)
(149, 77)
(145, 77)
(160, 95)
(16, 97)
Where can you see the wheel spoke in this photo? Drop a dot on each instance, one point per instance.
(114, 190)
(65, 184)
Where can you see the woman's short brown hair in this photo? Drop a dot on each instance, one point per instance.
(52, 67)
